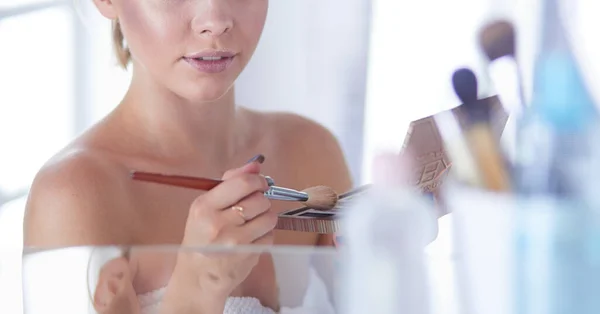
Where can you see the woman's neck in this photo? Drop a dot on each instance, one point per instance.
(178, 130)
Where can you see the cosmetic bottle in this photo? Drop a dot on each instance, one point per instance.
(384, 267)
(557, 127)
(557, 245)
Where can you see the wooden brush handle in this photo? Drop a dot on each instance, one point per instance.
(173, 180)
(489, 159)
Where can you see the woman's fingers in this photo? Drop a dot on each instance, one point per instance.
(230, 192)
(114, 292)
(259, 226)
(266, 239)
(247, 209)
(252, 166)
(249, 232)
(237, 184)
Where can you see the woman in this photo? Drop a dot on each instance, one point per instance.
(179, 117)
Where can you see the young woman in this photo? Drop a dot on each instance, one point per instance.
(179, 116)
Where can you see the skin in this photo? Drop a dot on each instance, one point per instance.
(176, 120)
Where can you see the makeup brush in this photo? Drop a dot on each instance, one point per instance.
(317, 221)
(464, 166)
(317, 197)
(497, 40)
(479, 135)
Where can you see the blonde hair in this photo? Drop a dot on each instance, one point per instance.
(121, 50)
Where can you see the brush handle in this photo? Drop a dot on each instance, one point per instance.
(174, 180)
(488, 158)
(205, 184)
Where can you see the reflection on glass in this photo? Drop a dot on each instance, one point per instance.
(11, 239)
(144, 279)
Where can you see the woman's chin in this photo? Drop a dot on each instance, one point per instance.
(206, 94)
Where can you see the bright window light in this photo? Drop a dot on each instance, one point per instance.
(36, 111)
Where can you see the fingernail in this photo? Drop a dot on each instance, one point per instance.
(258, 158)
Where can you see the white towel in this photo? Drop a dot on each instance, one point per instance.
(315, 301)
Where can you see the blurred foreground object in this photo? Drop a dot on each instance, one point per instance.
(386, 231)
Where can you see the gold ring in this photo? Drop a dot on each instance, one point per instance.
(240, 211)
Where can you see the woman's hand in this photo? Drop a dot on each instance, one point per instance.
(236, 212)
(114, 293)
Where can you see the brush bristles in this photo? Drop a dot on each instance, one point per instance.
(321, 197)
(497, 40)
(464, 83)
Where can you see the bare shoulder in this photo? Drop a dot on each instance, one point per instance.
(293, 123)
(286, 127)
(309, 149)
(73, 200)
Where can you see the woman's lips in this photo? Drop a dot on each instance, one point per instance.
(210, 60)
(210, 64)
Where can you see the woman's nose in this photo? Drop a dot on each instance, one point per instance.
(213, 19)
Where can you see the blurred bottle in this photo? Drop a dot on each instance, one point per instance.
(560, 126)
(386, 231)
(557, 232)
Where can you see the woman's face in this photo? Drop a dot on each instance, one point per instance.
(196, 48)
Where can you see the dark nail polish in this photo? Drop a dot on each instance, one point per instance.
(258, 158)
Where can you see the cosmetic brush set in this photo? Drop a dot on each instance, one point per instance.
(553, 135)
(539, 182)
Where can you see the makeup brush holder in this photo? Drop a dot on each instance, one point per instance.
(424, 142)
(524, 255)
